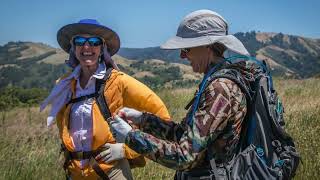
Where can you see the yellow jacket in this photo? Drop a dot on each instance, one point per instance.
(121, 90)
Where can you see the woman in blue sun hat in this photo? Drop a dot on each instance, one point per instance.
(83, 100)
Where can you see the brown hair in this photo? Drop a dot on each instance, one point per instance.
(218, 49)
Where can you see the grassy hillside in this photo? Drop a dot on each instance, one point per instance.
(288, 55)
(28, 150)
(36, 65)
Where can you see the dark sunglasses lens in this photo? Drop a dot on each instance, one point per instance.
(95, 41)
(186, 50)
(79, 41)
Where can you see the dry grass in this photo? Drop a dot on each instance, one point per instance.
(34, 49)
(302, 114)
(56, 59)
(28, 150)
(142, 74)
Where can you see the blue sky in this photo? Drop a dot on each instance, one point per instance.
(146, 23)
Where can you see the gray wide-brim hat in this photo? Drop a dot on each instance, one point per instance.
(204, 27)
(88, 26)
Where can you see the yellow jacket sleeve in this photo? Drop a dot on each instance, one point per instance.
(138, 96)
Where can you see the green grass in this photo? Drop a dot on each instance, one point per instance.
(28, 150)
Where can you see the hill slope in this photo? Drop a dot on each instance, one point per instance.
(28, 64)
(287, 55)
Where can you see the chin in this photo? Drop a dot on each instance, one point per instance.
(89, 62)
(196, 70)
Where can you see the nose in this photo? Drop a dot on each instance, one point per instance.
(86, 45)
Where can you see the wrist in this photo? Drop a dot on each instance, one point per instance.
(123, 150)
(143, 119)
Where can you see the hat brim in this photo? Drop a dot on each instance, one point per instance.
(66, 33)
(230, 41)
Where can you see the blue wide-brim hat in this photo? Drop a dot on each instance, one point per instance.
(92, 27)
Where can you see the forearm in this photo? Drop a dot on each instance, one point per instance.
(175, 155)
(129, 153)
(159, 128)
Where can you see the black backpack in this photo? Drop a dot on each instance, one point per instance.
(265, 150)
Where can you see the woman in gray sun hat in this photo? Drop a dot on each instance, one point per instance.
(212, 126)
(82, 101)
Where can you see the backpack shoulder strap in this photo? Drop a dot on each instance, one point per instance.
(232, 75)
(100, 99)
(236, 77)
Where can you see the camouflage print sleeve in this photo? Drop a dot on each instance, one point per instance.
(215, 109)
(167, 130)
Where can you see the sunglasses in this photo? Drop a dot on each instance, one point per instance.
(93, 41)
(184, 52)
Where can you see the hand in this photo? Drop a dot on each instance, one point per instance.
(131, 115)
(112, 152)
(120, 129)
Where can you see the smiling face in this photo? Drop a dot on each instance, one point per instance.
(88, 55)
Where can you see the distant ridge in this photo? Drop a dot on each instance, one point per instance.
(28, 64)
(288, 55)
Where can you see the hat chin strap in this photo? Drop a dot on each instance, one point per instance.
(107, 58)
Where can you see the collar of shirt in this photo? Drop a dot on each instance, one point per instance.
(99, 74)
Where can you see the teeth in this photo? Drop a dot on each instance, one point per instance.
(87, 53)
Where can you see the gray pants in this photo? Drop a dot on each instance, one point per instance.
(120, 171)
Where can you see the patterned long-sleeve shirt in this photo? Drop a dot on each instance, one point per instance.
(216, 123)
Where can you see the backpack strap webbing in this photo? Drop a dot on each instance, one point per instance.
(80, 155)
(236, 77)
(82, 98)
(105, 111)
(100, 99)
(98, 170)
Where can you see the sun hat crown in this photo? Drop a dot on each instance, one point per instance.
(201, 28)
(202, 23)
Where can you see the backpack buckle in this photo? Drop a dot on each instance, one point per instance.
(260, 152)
(80, 154)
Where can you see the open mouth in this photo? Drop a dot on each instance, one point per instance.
(87, 53)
